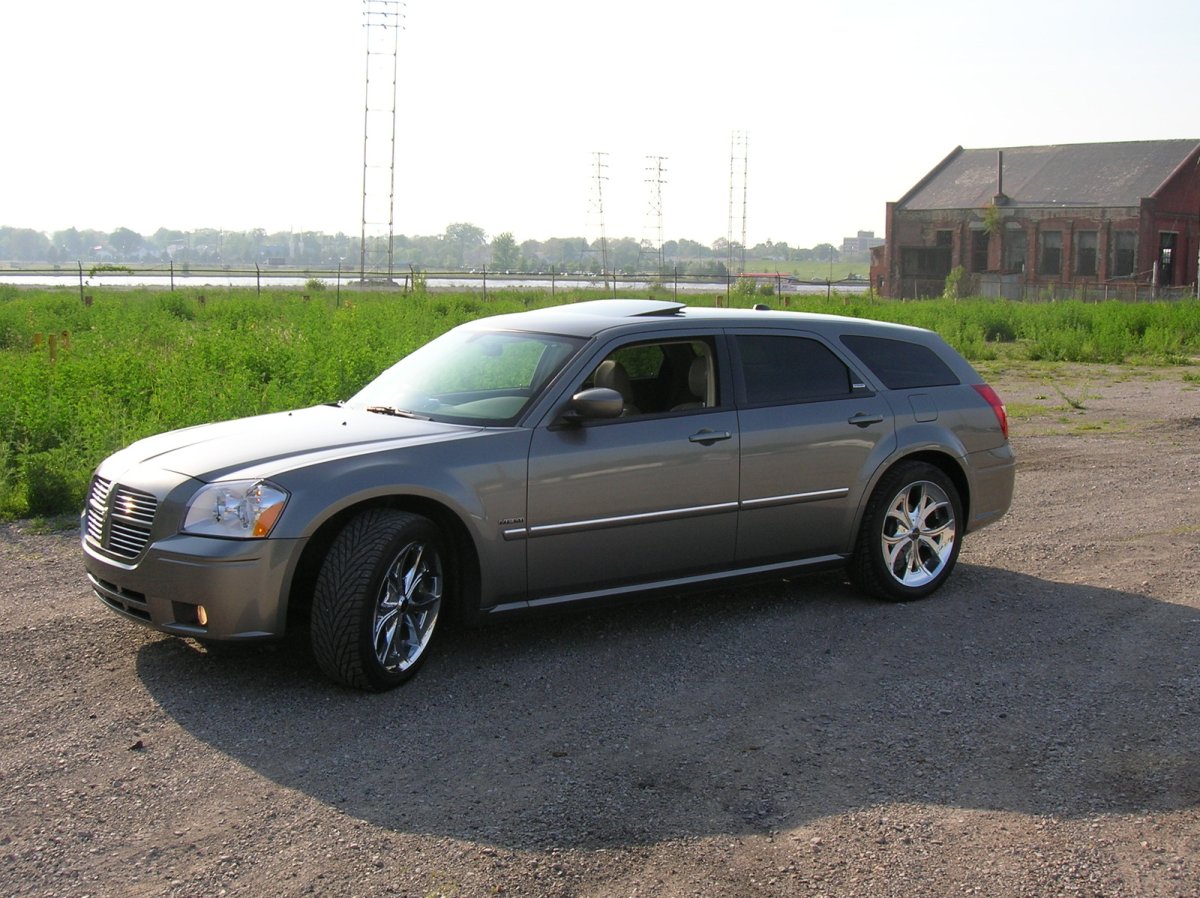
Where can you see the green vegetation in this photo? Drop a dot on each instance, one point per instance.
(83, 380)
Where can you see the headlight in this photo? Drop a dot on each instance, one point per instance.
(243, 509)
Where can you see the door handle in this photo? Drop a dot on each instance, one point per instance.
(708, 437)
(862, 420)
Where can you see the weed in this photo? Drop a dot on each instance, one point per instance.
(140, 362)
(1076, 404)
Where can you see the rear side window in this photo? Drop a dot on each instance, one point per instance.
(899, 364)
(790, 369)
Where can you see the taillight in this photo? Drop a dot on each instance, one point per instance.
(991, 398)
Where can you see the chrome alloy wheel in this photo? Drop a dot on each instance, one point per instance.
(406, 610)
(919, 533)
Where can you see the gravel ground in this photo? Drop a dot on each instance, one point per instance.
(1033, 729)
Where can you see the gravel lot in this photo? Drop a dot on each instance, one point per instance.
(1033, 729)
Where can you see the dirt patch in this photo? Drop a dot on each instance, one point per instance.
(1032, 730)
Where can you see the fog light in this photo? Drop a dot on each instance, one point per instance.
(201, 616)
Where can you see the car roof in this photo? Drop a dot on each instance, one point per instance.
(592, 317)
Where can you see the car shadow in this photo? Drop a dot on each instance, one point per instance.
(733, 712)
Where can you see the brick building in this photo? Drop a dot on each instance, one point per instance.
(1091, 220)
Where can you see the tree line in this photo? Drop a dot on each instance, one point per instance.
(462, 246)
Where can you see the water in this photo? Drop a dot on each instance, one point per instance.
(447, 282)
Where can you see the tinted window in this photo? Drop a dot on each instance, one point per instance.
(660, 377)
(790, 369)
(899, 364)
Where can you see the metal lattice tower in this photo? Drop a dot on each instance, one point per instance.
(383, 20)
(598, 202)
(652, 246)
(739, 144)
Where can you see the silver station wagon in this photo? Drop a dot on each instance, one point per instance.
(550, 458)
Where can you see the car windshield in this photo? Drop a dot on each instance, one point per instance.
(469, 376)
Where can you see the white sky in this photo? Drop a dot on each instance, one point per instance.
(234, 115)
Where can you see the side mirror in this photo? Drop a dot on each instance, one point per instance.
(593, 404)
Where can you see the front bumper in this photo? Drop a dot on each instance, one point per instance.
(202, 587)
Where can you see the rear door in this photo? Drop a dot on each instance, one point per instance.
(812, 434)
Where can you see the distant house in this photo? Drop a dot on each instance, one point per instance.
(1092, 220)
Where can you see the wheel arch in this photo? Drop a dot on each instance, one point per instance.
(944, 461)
(464, 585)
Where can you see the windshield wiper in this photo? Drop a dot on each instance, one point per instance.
(396, 412)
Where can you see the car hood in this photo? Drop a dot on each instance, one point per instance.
(266, 444)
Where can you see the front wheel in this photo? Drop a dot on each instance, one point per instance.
(377, 599)
(910, 534)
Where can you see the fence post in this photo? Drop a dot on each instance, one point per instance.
(485, 283)
(172, 275)
(80, 264)
(257, 280)
(339, 283)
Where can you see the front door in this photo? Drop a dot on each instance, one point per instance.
(649, 497)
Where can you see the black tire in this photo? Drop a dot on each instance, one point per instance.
(910, 535)
(377, 599)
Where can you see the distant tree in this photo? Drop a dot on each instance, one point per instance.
(310, 248)
(462, 238)
(70, 243)
(623, 254)
(23, 245)
(93, 242)
(505, 253)
(125, 242)
(238, 246)
(533, 256)
(565, 253)
(686, 250)
(163, 238)
(823, 252)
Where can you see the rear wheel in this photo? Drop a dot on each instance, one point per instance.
(910, 535)
(378, 598)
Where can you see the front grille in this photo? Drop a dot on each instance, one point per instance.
(119, 518)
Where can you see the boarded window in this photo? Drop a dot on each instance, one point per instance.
(1086, 243)
(925, 261)
(979, 250)
(1124, 253)
(1050, 252)
(1016, 246)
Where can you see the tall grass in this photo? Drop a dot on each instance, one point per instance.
(141, 362)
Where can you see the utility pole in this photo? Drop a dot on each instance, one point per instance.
(383, 21)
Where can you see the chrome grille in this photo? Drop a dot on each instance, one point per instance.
(97, 507)
(119, 518)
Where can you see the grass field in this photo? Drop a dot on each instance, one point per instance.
(81, 381)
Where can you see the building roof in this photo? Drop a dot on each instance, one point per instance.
(1082, 174)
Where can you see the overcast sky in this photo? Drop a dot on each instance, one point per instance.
(248, 114)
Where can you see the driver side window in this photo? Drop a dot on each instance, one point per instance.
(660, 377)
